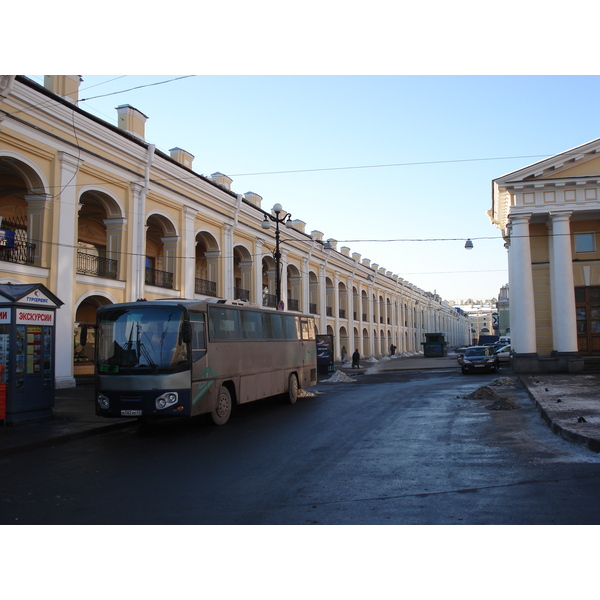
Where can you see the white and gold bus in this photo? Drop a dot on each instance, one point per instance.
(174, 358)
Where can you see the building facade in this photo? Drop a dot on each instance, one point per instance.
(99, 215)
(549, 215)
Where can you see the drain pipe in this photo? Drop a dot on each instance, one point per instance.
(140, 250)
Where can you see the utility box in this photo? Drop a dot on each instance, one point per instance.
(434, 345)
(27, 342)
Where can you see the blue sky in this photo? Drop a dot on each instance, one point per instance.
(447, 137)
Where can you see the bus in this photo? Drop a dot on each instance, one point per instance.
(182, 358)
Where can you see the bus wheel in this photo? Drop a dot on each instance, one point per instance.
(292, 394)
(220, 415)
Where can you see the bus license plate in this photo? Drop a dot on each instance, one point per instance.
(131, 413)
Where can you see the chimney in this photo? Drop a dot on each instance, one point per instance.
(299, 225)
(345, 250)
(182, 157)
(316, 235)
(132, 120)
(254, 198)
(65, 86)
(222, 180)
(356, 256)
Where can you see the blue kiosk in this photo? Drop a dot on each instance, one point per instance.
(27, 342)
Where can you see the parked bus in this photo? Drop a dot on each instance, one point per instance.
(167, 358)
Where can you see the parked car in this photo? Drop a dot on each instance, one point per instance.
(503, 353)
(479, 358)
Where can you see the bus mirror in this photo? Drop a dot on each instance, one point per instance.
(186, 332)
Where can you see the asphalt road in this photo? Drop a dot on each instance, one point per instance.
(392, 448)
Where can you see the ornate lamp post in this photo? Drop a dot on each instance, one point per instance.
(266, 224)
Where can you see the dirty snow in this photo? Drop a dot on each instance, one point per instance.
(339, 377)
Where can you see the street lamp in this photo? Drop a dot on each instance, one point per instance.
(469, 245)
(266, 224)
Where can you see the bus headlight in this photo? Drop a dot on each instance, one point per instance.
(103, 401)
(166, 400)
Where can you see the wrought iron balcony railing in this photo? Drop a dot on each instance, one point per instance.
(18, 252)
(159, 278)
(208, 288)
(90, 264)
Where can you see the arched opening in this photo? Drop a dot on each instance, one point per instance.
(84, 333)
(294, 288)
(242, 273)
(161, 247)
(269, 297)
(313, 290)
(207, 265)
(343, 300)
(22, 210)
(99, 230)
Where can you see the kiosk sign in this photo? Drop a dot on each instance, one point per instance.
(32, 317)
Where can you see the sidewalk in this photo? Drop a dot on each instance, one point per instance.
(570, 405)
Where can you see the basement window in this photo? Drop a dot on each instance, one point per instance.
(585, 242)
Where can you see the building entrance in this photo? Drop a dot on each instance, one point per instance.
(587, 303)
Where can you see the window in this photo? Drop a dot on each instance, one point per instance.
(585, 242)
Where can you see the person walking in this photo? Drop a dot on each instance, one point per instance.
(344, 353)
(355, 359)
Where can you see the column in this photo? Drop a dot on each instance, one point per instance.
(257, 286)
(63, 271)
(37, 207)
(522, 306)
(564, 324)
(138, 243)
(189, 244)
(228, 277)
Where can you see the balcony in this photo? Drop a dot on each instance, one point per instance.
(97, 266)
(159, 278)
(312, 309)
(293, 304)
(270, 300)
(205, 287)
(342, 313)
(240, 294)
(19, 252)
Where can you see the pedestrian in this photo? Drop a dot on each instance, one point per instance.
(344, 354)
(355, 359)
(393, 349)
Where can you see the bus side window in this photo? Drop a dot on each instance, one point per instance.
(198, 337)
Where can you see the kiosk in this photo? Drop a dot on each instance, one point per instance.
(434, 345)
(27, 340)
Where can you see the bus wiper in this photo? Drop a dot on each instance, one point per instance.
(144, 351)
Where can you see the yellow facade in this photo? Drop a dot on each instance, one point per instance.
(549, 213)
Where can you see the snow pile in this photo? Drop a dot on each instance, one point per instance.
(485, 392)
(339, 377)
(304, 394)
(372, 360)
(503, 382)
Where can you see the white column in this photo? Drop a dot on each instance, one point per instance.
(257, 292)
(228, 276)
(137, 262)
(189, 262)
(564, 324)
(522, 307)
(63, 273)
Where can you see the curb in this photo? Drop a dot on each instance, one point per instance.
(571, 436)
(67, 437)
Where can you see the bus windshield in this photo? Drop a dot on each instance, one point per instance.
(140, 340)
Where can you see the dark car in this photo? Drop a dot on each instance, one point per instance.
(479, 358)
